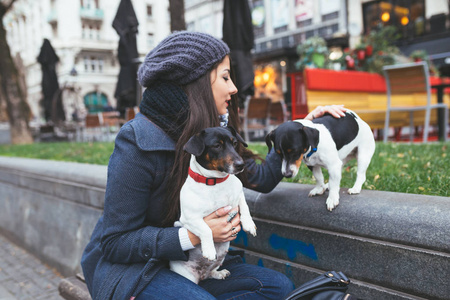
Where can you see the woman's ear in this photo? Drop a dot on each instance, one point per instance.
(195, 145)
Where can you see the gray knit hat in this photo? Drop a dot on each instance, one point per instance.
(182, 57)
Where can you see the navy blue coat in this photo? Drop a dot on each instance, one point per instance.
(128, 245)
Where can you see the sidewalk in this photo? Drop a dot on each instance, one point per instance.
(24, 277)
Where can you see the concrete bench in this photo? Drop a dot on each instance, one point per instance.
(391, 245)
(74, 288)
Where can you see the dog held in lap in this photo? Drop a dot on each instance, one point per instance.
(211, 184)
(325, 142)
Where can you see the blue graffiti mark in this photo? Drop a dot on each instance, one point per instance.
(260, 263)
(292, 247)
(241, 239)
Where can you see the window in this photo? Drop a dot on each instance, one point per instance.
(304, 23)
(93, 63)
(331, 16)
(150, 40)
(100, 65)
(90, 31)
(407, 15)
(149, 12)
(86, 63)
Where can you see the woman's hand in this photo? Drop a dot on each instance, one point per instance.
(223, 224)
(336, 111)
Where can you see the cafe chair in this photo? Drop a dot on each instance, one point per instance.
(278, 113)
(256, 117)
(408, 90)
(92, 129)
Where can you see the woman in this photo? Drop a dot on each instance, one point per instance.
(188, 88)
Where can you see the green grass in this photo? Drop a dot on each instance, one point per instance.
(407, 168)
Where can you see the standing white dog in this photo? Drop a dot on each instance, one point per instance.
(211, 184)
(325, 142)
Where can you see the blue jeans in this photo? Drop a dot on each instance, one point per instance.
(245, 282)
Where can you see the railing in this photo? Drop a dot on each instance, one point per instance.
(91, 13)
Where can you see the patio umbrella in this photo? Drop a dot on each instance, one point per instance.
(52, 102)
(238, 34)
(126, 25)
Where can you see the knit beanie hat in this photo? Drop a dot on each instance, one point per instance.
(182, 57)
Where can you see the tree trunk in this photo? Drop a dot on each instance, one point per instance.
(176, 8)
(13, 91)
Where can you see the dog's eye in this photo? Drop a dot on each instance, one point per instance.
(217, 146)
(235, 144)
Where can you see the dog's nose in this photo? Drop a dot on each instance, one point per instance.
(239, 165)
(288, 174)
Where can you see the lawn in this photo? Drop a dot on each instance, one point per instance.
(397, 167)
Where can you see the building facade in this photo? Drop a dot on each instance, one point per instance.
(81, 33)
(281, 25)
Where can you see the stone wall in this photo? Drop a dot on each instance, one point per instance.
(392, 245)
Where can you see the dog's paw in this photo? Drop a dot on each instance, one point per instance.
(220, 274)
(353, 191)
(332, 202)
(248, 225)
(318, 190)
(209, 254)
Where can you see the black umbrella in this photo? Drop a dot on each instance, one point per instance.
(238, 34)
(52, 102)
(126, 25)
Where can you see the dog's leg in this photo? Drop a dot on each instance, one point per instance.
(246, 219)
(184, 270)
(202, 230)
(222, 274)
(363, 158)
(335, 172)
(320, 187)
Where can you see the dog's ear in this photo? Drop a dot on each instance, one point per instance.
(195, 145)
(237, 135)
(312, 135)
(270, 137)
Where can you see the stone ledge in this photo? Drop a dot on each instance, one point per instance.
(409, 219)
(372, 237)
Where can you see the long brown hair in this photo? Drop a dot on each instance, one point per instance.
(202, 114)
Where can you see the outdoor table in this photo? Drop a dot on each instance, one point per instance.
(440, 99)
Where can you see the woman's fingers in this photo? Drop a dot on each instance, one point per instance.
(221, 212)
(336, 111)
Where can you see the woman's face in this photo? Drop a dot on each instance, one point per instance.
(222, 85)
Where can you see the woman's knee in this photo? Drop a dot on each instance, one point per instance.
(279, 285)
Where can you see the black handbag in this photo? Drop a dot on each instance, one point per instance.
(328, 286)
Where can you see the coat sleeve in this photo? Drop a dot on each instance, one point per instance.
(264, 177)
(134, 179)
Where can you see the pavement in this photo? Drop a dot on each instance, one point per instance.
(24, 277)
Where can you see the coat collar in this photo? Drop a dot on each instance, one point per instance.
(149, 137)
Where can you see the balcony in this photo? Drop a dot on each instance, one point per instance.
(52, 17)
(94, 14)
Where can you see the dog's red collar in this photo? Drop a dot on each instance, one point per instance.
(206, 180)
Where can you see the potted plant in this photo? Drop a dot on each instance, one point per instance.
(418, 55)
(361, 51)
(313, 53)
